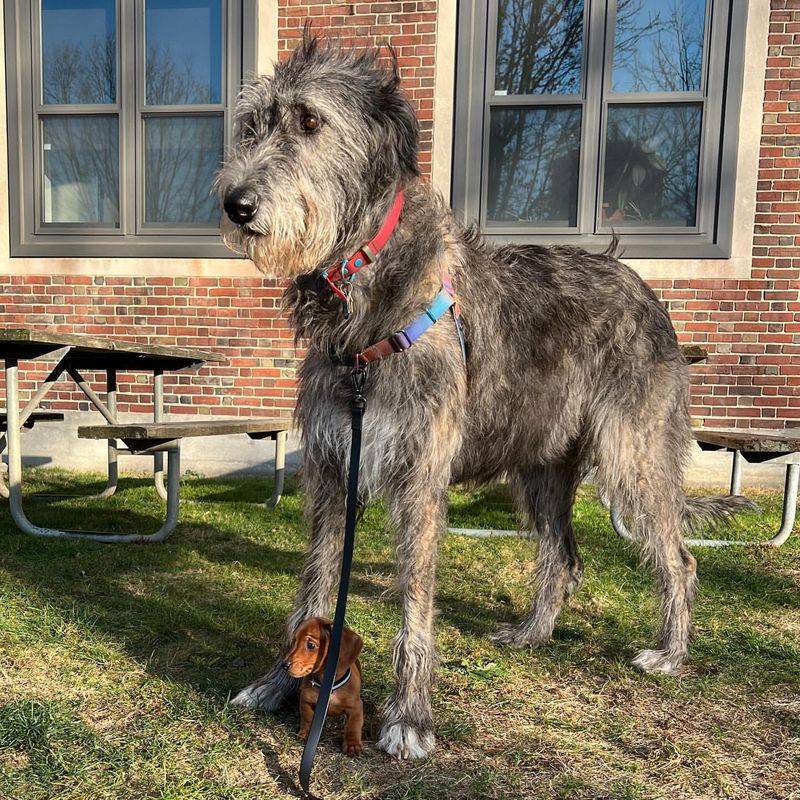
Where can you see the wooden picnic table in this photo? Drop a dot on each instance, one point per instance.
(73, 353)
(94, 352)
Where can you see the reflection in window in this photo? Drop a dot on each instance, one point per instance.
(80, 181)
(183, 52)
(539, 46)
(533, 165)
(181, 156)
(658, 45)
(651, 165)
(79, 51)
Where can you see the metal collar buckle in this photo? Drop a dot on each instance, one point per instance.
(399, 341)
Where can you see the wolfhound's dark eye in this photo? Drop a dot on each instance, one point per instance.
(310, 122)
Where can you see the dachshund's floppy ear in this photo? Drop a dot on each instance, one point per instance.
(351, 647)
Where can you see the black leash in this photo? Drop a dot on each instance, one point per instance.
(321, 708)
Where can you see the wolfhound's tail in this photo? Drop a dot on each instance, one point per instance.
(714, 512)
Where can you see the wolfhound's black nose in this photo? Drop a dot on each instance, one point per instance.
(241, 204)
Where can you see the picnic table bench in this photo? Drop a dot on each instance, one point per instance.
(76, 352)
(756, 446)
(151, 438)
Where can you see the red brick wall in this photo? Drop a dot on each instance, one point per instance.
(238, 317)
(751, 327)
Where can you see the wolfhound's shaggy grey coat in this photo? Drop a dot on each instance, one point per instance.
(572, 366)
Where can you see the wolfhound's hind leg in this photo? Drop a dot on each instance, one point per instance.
(546, 496)
(642, 474)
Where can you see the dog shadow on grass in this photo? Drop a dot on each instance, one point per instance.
(184, 627)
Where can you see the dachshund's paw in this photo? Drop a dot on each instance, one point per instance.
(267, 693)
(405, 741)
(352, 747)
(518, 637)
(660, 662)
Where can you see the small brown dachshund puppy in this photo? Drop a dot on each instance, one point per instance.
(307, 661)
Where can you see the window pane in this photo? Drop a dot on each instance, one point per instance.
(651, 165)
(80, 170)
(181, 156)
(79, 51)
(658, 45)
(533, 165)
(183, 52)
(539, 46)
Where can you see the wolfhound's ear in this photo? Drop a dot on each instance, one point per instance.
(394, 70)
(399, 147)
(310, 41)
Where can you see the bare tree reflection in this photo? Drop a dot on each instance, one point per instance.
(658, 46)
(181, 152)
(533, 165)
(652, 149)
(539, 46)
(81, 165)
(76, 74)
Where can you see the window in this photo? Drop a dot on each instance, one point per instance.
(576, 118)
(123, 113)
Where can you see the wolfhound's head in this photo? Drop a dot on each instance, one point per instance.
(321, 142)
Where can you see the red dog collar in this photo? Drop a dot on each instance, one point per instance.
(368, 252)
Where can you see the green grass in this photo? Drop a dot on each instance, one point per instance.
(116, 661)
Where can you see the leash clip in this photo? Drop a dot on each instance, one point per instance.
(358, 375)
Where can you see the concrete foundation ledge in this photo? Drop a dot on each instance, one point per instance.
(57, 445)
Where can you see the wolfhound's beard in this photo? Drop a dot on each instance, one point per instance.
(295, 240)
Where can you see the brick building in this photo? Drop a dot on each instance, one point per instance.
(569, 137)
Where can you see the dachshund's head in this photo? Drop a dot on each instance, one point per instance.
(310, 648)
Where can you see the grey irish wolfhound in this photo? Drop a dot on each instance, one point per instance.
(572, 366)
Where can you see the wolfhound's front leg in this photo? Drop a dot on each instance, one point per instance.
(325, 503)
(407, 730)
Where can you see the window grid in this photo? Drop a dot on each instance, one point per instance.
(525, 101)
(30, 234)
(706, 182)
(709, 237)
(144, 111)
(43, 110)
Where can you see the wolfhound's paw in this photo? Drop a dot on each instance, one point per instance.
(518, 636)
(659, 662)
(266, 694)
(405, 741)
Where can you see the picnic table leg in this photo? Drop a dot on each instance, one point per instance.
(158, 416)
(15, 480)
(32, 405)
(112, 470)
(280, 464)
(110, 411)
(736, 472)
(3, 484)
(788, 514)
